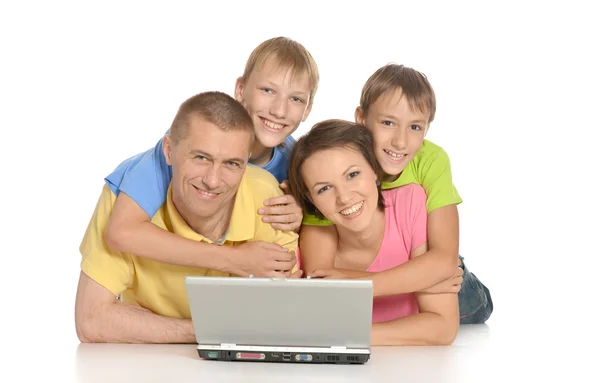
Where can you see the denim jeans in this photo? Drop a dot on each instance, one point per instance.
(474, 299)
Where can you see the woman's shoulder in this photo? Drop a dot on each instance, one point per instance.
(406, 193)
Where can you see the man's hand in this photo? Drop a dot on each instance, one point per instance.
(450, 285)
(282, 212)
(262, 259)
(334, 273)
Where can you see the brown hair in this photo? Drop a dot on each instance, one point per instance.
(287, 54)
(326, 135)
(216, 108)
(414, 85)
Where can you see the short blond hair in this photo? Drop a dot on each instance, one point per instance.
(287, 54)
(414, 85)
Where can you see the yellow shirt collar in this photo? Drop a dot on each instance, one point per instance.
(241, 224)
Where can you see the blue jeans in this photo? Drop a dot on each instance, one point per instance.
(474, 299)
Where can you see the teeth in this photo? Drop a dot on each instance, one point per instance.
(208, 194)
(273, 125)
(353, 209)
(394, 155)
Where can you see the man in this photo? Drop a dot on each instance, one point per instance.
(213, 197)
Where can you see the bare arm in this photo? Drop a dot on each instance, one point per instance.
(436, 265)
(436, 323)
(318, 246)
(100, 318)
(131, 231)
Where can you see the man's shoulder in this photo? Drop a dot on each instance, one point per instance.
(260, 181)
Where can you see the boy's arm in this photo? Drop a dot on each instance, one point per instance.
(100, 318)
(131, 231)
(436, 323)
(439, 263)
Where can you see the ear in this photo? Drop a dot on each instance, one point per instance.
(359, 116)
(307, 112)
(168, 149)
(239, 89)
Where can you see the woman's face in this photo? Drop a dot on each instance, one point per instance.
(342, 185)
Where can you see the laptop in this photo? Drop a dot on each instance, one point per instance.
(281, 320)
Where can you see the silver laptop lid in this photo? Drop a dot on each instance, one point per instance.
(281, 312)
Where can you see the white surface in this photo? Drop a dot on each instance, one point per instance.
(85, 85)
(481, 353)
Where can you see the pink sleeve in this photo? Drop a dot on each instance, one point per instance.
(418, 215)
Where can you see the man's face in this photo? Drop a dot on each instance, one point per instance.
(208, 166)
(276, 99)
(398, 131)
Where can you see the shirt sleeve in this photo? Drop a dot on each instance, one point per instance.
(144, 177)
(311, 220)
(111, 269)
(436, 177)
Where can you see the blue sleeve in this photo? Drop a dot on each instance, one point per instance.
(144, 177)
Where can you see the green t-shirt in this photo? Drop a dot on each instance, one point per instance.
(430, 168)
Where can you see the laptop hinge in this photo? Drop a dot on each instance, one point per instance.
(228, 345)
(338, 347)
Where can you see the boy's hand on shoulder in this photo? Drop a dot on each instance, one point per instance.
(282, 212)
(261, 259)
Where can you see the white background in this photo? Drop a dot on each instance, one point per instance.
(85, 85)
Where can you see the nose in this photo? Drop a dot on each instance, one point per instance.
(279, 107)
(212, 177)
(400, 138)
(343, 196)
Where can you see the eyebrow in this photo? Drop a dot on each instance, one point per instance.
(395, 118)
(200, 152)
(344, 173)
(271, 84)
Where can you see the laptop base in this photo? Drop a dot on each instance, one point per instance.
(284, 357)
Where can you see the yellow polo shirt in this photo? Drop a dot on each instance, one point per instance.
(158, 286)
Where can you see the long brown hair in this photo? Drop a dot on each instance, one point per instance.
(326, 135)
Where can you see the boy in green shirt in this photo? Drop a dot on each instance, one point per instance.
(398, 105)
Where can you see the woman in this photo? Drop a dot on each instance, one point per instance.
(334, 174)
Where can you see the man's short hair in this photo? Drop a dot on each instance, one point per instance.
(216, 108)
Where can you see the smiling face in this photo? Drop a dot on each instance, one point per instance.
(398, 131)
(208, 165)
(344, 191)
(277, 99)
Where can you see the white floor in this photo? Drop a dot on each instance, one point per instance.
(516, 345)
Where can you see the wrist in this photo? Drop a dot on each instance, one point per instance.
(225, 260)
(189, 335)
(215, 257)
